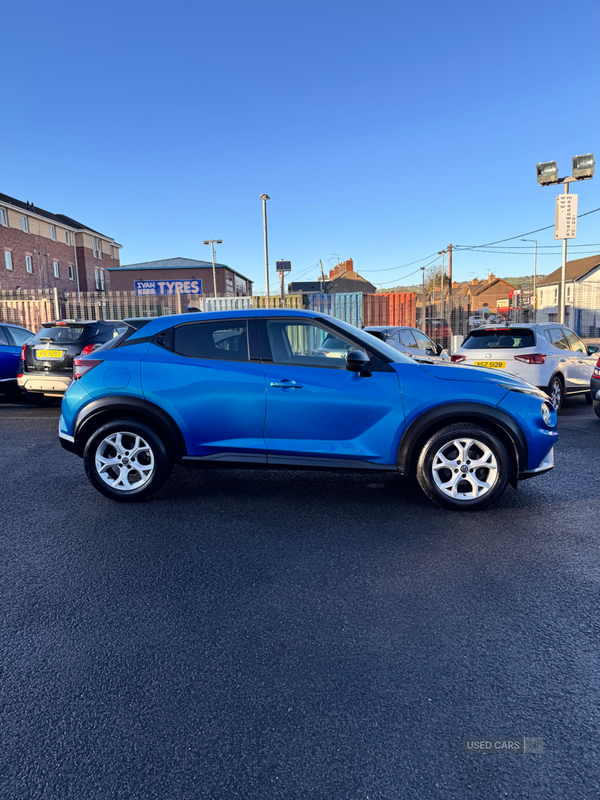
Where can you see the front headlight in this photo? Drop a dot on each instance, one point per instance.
(547, 412)
(524, 390)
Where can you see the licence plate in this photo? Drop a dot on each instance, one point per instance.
(49, 353)
(491, 364)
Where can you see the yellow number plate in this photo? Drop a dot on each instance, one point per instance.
(491, 364)
(48, 353)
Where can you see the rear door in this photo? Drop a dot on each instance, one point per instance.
(207, 376)
(563, 357)
(584, 364)
(317, 411)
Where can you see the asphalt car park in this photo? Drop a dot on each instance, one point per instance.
(261, 634)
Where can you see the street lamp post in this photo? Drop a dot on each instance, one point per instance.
(534, 277)
(424, 311)
(264, 198)
(212, 243)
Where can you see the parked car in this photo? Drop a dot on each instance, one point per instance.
(254, 387)
(548, 355)
(595, 388)
(12, 339)
(46, 366)
(410, 341)
(438, 329)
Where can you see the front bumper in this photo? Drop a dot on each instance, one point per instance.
(44, 383)
(546, 465)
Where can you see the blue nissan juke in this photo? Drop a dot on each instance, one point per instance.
(283, 388)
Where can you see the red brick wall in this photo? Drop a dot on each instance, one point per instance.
(43, 252)
(87, 264)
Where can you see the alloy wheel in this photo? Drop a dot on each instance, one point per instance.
(465, 469)
(124, 461)
(556, 394)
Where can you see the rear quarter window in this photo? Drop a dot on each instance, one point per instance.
(513, 338)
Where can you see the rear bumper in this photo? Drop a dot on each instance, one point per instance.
(546, 465)
(44, 383)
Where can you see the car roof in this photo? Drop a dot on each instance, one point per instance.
(12, 325)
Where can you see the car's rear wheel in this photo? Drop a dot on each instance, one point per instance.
(463, 466)
(41, 400)
(126, 460)
(556, 390)
(588, 398)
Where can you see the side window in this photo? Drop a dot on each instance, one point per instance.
(3, 337)
(575, 342)
(19, 336)
(557, 339)
(407, 339)
(423, 342)
(308, 344)
(227, 339)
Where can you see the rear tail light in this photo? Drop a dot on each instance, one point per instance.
(457, 359)
(532, 358)
(88, 349)
(83, 365)
(24, 352)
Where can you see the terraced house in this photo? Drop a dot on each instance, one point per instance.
(41, 250)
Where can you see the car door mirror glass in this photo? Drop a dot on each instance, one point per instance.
(591, 349)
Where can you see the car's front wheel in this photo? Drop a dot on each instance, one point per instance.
(597, 408)
(463, 466)
(126, 460)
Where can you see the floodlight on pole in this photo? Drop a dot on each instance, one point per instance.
(212, 243)
(547, 173)
(583, 166)
(264, 198)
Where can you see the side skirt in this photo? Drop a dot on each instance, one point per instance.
(255, 461)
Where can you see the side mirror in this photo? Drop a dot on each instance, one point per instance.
(592, 349)
(439, 349)
(357, 361)
(378, 335)
(429, 351)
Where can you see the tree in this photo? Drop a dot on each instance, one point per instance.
(433, 277)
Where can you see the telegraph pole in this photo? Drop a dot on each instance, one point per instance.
(264, 198)
(424, 323)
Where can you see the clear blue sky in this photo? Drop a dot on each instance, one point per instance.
(381, 130)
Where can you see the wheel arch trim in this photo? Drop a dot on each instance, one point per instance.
(489, 416)
(108, 408)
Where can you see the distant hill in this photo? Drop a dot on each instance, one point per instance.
(516, 282)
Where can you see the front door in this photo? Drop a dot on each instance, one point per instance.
(202, 375)
(319, 412)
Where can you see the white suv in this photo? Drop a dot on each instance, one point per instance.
(546, 354)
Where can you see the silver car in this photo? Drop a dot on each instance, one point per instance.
(410, 341)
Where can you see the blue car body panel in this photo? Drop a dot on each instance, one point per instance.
(230, 407)
(10, 355)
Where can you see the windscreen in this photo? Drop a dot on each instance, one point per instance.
(499, 339)
(67, 334)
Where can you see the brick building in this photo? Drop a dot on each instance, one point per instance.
(41, 250)
(171, 270)
(342, 278)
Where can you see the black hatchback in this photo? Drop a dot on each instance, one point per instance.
(46, 367)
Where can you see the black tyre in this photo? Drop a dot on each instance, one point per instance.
(126, 460)
(588, 398)
(597, 408)
(41, 400)
(556, 392)
(463, 467)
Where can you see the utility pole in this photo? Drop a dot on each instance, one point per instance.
(212, 243)
(322, 277)
(442, 254)
(424, 307)
(264, 198)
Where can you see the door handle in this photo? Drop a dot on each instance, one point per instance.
(285, 383)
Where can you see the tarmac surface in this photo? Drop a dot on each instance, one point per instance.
(251, 634)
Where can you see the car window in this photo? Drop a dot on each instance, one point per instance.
(3, 337)
(423, 342)
(575, 342)
(20, 336)
(307, 344)
(67, 333)
(500, 339)
(557, 339)
(407, 339)
(226, 339)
